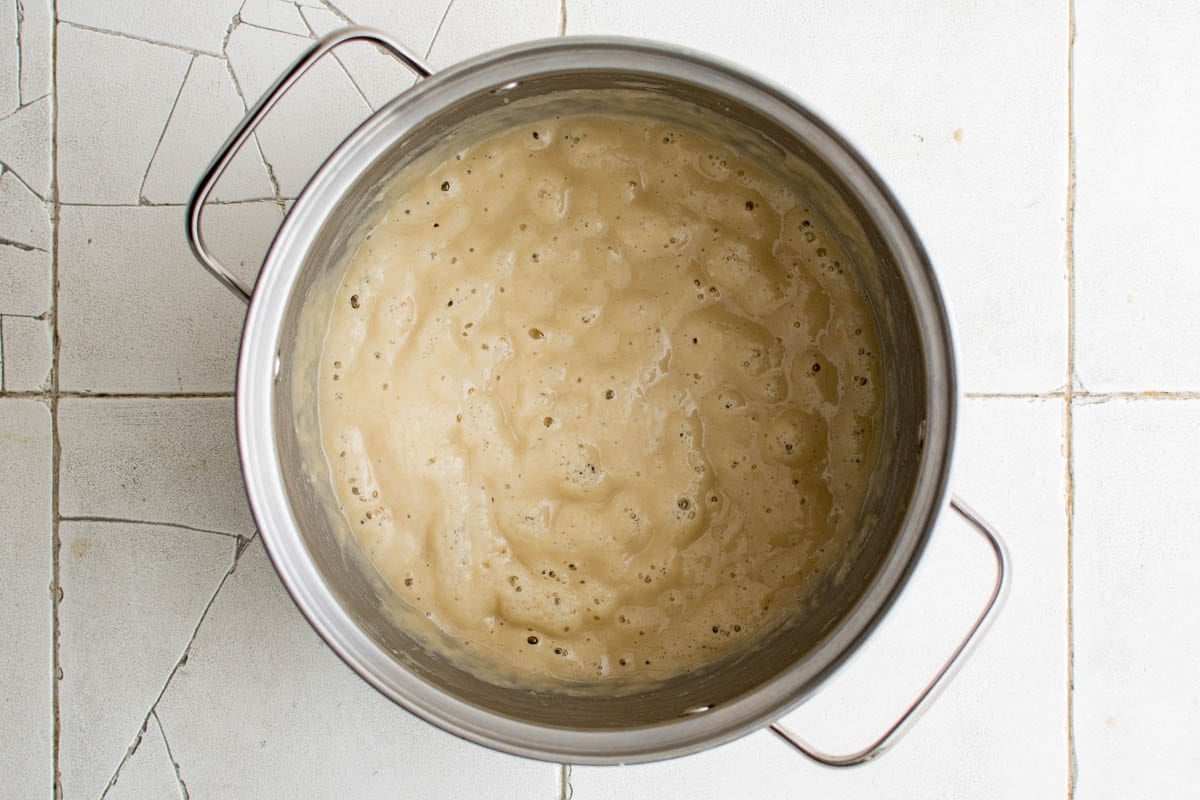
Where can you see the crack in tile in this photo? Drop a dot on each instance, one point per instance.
(272, 30)
(129, 521)
(28, 248)
(6, 168)
(313, 35)
(24, 105)
(151, 204)
(239, 549)
(163, 133)
(337, 12)
(183, 788)
(133, 748)
(234, 22)
(437, 32)
(132, 37)
(562, 17)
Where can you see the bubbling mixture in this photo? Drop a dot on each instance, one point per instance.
(598, 397)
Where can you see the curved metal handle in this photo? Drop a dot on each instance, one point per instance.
(243, 131)
(918, 706)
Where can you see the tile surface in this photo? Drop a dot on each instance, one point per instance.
(36, 28)
(132, 595)
(110, 120)
(320, 110)
(259, 681)
(26, 610)
(25, 145)
(28, 352)
(157, 460)
(205, 113)
(184, 24)
(138, 314)
(1137, 625)
(25, 222)
(25, 281)
(1137, 211)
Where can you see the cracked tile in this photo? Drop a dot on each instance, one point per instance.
(28, 353)
(25, 145)
(205, 114)
(132, 595)
(1006, 705)
(160, 460)
(149, 773)
(379, 76)
(411, 23)
(24, 218)
(899, 80)
(110, 120)
(137, 312)
(1136, 621)
(183, 23)
(1136, 210)
(37, 28)
(26, 624)
(311, 120)
(304, 702)
(472, 27)
(10, 60)
(278, 15)
(25, 281)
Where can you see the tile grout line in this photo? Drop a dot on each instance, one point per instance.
(1072, 763)
(68, 395)
(55, 445)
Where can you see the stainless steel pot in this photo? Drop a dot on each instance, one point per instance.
(288, 486)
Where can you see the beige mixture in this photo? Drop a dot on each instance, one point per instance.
(598, 398)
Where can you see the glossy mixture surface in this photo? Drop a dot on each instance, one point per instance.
(598, 398)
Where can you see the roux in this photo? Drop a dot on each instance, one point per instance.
(598, 396)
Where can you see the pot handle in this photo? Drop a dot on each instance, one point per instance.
(246, 127)
(939, 681)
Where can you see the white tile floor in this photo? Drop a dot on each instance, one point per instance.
(149, 650)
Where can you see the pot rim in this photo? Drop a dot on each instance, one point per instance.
(258, 368)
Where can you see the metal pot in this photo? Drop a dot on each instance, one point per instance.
(288, 486)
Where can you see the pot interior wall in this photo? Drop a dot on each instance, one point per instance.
(810, 643)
